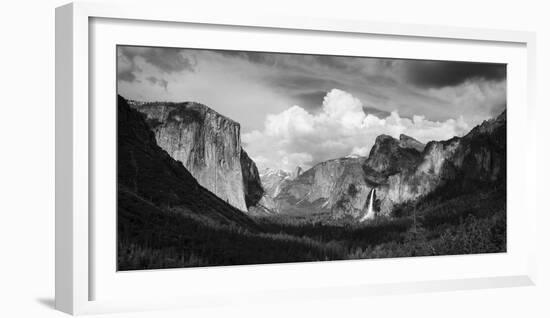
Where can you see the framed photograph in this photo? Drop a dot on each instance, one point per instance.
(206, 159)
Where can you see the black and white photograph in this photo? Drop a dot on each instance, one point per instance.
(238, 157)
(253, 159)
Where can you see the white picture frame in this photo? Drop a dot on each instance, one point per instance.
(76, 269)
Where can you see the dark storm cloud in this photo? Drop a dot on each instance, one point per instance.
(271, 83)
(310, 100)
(126, 75)
(305, 81)
(253, 57)
(497, 109)
(166, 60)
(158, 81)
(380, 80)
(334, 61)
(376, 112)
(437, 74)
(294, 61)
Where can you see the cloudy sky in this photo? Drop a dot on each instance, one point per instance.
(304, 109)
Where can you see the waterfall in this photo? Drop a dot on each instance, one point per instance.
(370, 211)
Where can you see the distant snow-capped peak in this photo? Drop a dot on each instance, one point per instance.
(274, 172)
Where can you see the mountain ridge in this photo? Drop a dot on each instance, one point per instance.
(477, 157)
(401, 170)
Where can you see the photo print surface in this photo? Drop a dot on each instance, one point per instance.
(234, 158)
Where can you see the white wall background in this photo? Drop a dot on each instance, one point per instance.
(27, 158)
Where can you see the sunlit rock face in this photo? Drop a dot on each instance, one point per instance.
(389, 155)
(422, 178)
(400, 170)
(478, 157)
(341, 186)
(272, 181)
(337, 186)
(388, 158)
(147, 173)
(408, 142)
(209, 146)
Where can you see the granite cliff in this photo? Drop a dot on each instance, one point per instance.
(149, 179)
(389, 155)
(400, 170)
(209, 146)
(477, 158)
(272, 180)
(340, 186)
(335, 185)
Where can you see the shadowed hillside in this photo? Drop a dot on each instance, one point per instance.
(208, 144)
(166, 219)
(149, 172)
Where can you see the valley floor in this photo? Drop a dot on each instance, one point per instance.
(152, 237)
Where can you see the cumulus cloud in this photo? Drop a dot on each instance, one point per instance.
(478, 98)
(247, 86)
(297, 137)
(360, 151)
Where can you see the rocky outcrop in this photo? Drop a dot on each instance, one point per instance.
(253, 190)
(297, 172)
(408, 142)
(273, 180)
(341, 186)
(477, 158)
(147, 173)
(209, 146)
(400, 170)
(389, 155)
(337, 186)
